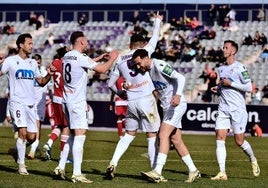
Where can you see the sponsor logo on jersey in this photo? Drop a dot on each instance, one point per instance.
(245, 75)
(168, 70)
(24, 74)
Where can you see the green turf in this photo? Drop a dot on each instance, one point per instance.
(98, 151)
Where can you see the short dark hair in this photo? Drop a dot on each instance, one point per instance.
(37, 57)
(140, 53)
(75, 35)
(61, 51)
(233, 43)
(137, 38)
(21, 39)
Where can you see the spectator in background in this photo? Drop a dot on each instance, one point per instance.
(264, 53)
(50, 40)
(41, 20)
(265, 94)
(194, 23)
(255, 96)
(188, 53)
(247, 40)
(6, 29)
(257, 131)
(212, 15)
(83, 20)
(262, 39)
(223, 11)
(256, 38)
(136, 18)
(150, 18)
(260, 15)
(212, 77)
(231, 18)
(33, 18)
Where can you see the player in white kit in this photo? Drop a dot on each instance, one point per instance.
(169, 85)
(40, 106)
(22, 70)
(232, 113)
(142, 110)
(75, 65)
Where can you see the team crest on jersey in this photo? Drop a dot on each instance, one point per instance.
(245, 75)
(168, 70)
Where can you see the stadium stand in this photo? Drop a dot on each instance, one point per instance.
(117, 33)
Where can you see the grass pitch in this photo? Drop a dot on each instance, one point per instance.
(98, 151)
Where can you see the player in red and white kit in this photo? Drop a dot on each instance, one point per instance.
(60, 123)
(120, 107)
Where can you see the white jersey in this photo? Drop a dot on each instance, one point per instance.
(141, 83)
(74, 68)
(40, 92)
(21, 73)
(232, 99)
(167, 81)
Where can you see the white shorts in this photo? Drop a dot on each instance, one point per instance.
(142, 114)
(23, 116)
(173, 115)
(236, 120)
(76, 114)
(40, 110)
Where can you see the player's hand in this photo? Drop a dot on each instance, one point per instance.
(214, 89)
(51, 70)
(226, 82)
(114, 54)
(122, 94)
(175, 100)
(157, 15)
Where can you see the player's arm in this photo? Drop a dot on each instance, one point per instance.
(150, 47)
(104, 67)
(245, 84)
(180, 79)
(100, 57)
(42, 81)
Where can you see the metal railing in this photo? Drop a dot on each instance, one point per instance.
(106, 15)
(12, 15)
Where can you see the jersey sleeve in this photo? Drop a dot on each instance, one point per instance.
(167, 70)
(87, 62)
(5, 66)
(244, 77)
(114, 75)
(37, 72)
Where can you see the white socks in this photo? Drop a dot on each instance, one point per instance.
(161, 161)
(221, 154)
(121, 147)
(248, 150)
(34, 146)
(152, 151)
(21, 148)
(78, 147)
(189, 163)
